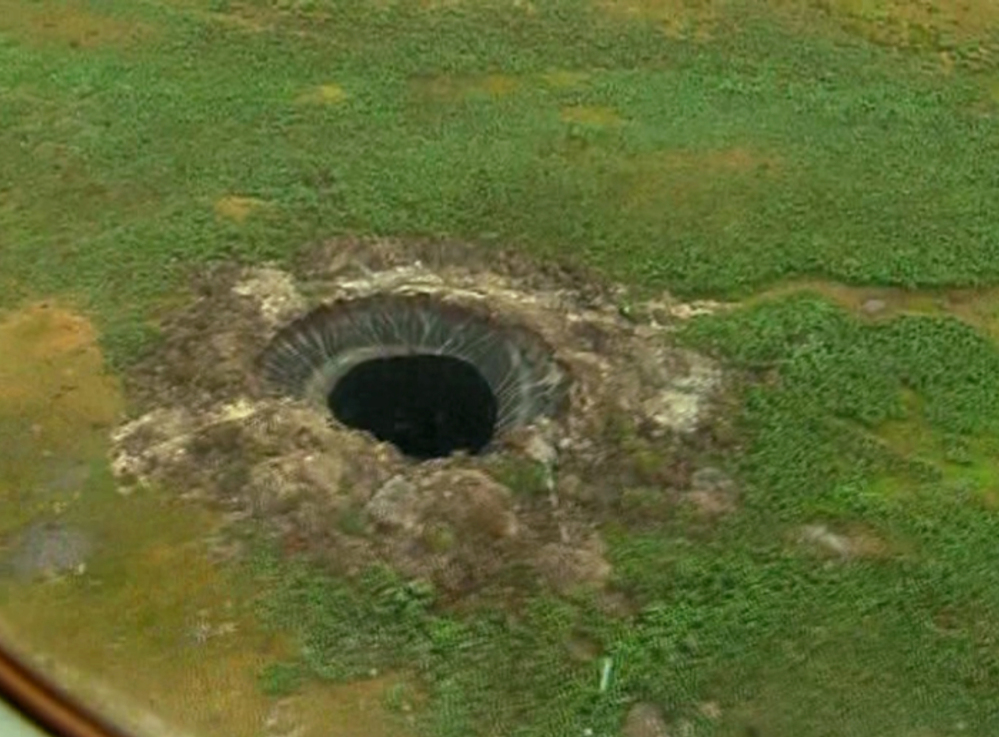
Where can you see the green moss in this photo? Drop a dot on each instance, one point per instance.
(281, 679)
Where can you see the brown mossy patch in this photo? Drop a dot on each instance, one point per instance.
(929, 24)
(74, 24)
(591, 115)
(851, 541)
(524, 6)
(687, 19)
(61, 187)
(246, 15)
(950, 33)
(452, 88)
(978, 307)
(169, 641)
(562, 79)
(56, 404)
(722, 181)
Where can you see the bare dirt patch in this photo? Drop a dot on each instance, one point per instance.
(214, 431)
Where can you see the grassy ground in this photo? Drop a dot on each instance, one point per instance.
(706, 148)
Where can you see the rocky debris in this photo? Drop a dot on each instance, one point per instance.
(148, 443)
(712, 492)
(542, 450)
(645, 720)
(684, 400)
(853, 544)
(666, 309)
(824, 539)
(566, 567)
(213, 432)
(48, 550)
(710, 710)
(471, 501)
(274, 290)
(396, 504)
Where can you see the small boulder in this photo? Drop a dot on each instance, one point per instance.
(395, 505)
(644, 720)
(565, 567)
(874, 306)
(473, 503)
(712, 492)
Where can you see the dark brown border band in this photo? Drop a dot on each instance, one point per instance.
(46, 705)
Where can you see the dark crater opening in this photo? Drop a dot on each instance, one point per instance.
(428, 376)
(428, 406)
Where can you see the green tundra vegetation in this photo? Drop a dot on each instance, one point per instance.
(799, 158)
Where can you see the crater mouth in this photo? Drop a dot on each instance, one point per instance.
(428, 406)
(430, 377)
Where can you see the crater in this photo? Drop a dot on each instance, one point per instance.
(426, 406)
(428, 377)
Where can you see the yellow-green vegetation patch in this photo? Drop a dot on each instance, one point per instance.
(59, 186)
(952, 33)
(237, 208)
(524, 6)
(565, 78)
(325, 94)
(967, 464)
(73, 24)
(56, 401)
